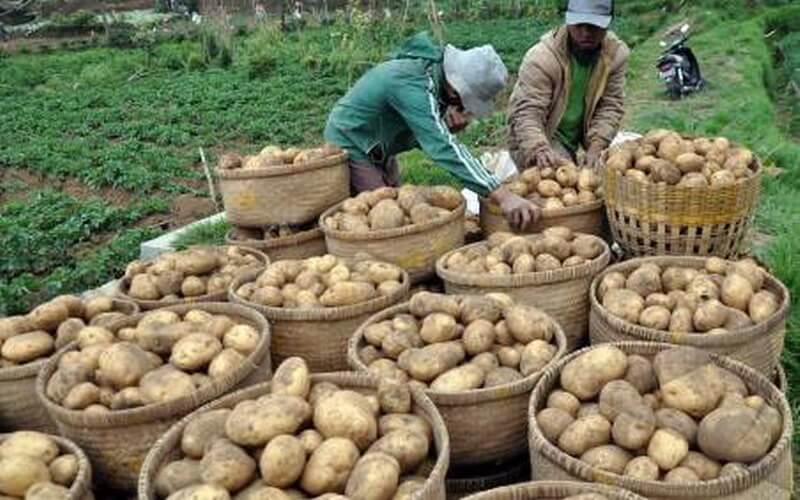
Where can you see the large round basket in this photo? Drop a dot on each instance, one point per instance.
(81, 488)
(758, 346)
(466, 481)
(317, 335)
(553, 490)
(589, 218)
(168, 446)
(117, 442)
(298, 246)
(770, 478)
(485, 425)
(20, 408)
(146, 305)
(659, 219)
(285, 194)
(562, 293)
(415, 248)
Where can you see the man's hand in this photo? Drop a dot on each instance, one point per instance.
(520, 213)
(593, 156)
(547, 158)
(456, 120)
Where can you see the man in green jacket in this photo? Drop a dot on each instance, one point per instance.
(418, 99)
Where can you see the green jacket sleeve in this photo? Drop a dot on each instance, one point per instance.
(415, 100)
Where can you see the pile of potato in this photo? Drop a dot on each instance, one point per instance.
(505, 253)
(165, 356)
(34, 467)
(676, 418)
(392, 208)
(724, 296)
(271, 232)
(663, 156)
(454, 344)
(188, 273)
(50, 326)
(304, 440)
(565, 186)
(272, 156)
(322, 281)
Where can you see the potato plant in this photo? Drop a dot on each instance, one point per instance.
(554, 188)
(34, 466)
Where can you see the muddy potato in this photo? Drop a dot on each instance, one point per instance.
(549, 188)
(552, 422)
(479, 308)
(642, 468)
(374, 477)
(705, 468)
(703, 287)
(123, 364)
(640, 374)
(564, 401)
(386, 214)
(225, 364)
(203, 430)
(409, 487)
(656, 317)
(292, 378)
(282, 461)
(608, 458)
(677, 278)
(667, 448)
(611, 281)
(586, 375)
(393, 396)
(408, 447)
(678, 421)
(254, 423)
(584, 434)
(177, 475)
(94, 335)
(624, 303)
(329, 467)
(487, 361)
(346, 414)
(660, 299)
(65, 378)
(681, 320)
(438, 327)
(734, 433)
(536, 356)
(165, 384)
(429, 362)
(478, 337)
(195, 351)
(689, 162)
(645, 280)
(227, 465)
(709, 315)
(527, 323)
(399, 341)
(762, 305)
(386, 368)
(664, 171)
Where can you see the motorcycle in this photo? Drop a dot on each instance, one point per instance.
(677, 66)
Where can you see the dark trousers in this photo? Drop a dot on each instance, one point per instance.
(366, 176)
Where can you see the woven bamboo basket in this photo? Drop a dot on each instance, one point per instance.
(168, 446)
(146, 305)
(467, 413)
(758, 346)
(117, 442)
(658, 219)
(771, 477)
(553, 490)
(415, 248)
(20, 408)
(81, 488)
(589, 218)
(298, 246)
(562, 293)
(464, 482)
(317, 335)
(284, 194)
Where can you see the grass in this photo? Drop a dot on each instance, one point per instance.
(208, 233)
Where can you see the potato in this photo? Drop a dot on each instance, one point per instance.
(225, 464)
(549, 188)
(681, 475)
(200, 492)
(642, 468)
(587, 247)
(81, 396)
(403, 421)
(645, 280)
(165, 384)
(618, 396)
(202, 430)
(633, 428)
(678, 421)
(664, 171)
(703, 287)
(527, 323)
(398, 341)
(624, 303)
(608, 458)
(195, 351)
(479, 308)
(667, 448)
(584, 434)
(329, 467)
(386, 214)
(64, 469)
(689, 162)
(723, 178)
(709, 315)
(46, 491)
(30, 444)
(732, 469)
(478, 337)
(424, 303)
(408, 488)
(640, 374)
(225, 364)
(347, 293)
(611, 281)
(660, 299)
(677, 278)
(681, 320)
(27, 347)
(587, 409)
(762, 306)
(345, 414)
(196, 261)
(375, 476)
(48, 316)
(705, 468)
(459, 379)
(408, 447)
(254, 423)
(65, 378)
(386, 368)
(695, 393)
(586, 375)
(552, 422)
(292, 378)
(431, 361)
(656, 317)
(564, 401)
(177, 475)
(19, 472)
(438, 327)
(94, 335)
(734, 434)
(536, 356)
(123, 364)
(620, 160)
(736, 291)
(282, 461)
(750, 270)
(501, 376)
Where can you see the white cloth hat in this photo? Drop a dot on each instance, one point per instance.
(478, 75)
(595, 12)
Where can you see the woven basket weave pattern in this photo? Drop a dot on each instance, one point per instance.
(589, 218)
(553, 490)
(298, 246)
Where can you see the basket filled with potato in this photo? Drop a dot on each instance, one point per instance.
(28, 341)
(304, 436)
(733, 308)
(314, 305)
(197, 274)
(662, 421)
(281, 241)
(552, 271)
(38, 466)
(668, 194)
(568, 195)
(410, 226)
(556, 490)
(476, 356)
(116, 389)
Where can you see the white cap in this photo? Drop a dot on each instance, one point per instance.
(595, 12)
(478, 75)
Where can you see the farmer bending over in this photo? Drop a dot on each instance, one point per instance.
(419, 98)
(570, 90)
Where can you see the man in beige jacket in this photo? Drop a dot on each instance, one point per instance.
(570, 90)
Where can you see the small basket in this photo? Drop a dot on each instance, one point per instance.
(561, 293)
(414, 248)
(146, 305)
(553, 490)
(284, 194)
(297, 246)
(117, 442)
(317, 335)
(589, 218)
(758, 346)
(659, 219)
(167, 447)
(771, 477)
(466, 413)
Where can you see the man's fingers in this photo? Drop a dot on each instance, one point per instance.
(526, 219)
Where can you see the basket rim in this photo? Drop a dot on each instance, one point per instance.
(464, 398)
(317, 314)
(384, 234)
(550, 488)
(275, 243)
(168, 409)
(589, 268)
(713, 488)
(157, 453)
(123, 285)
(335, 160)
(583, 208)
(733, 337)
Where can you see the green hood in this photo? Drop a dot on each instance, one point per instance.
(419, 46)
